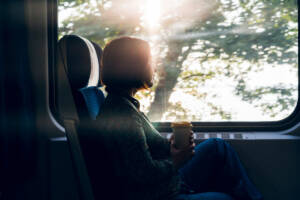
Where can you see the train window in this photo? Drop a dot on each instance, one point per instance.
(216, 60)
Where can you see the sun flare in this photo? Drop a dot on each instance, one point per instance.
(152, 15)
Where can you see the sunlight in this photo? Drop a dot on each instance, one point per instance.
(206, 29)
(152, 15)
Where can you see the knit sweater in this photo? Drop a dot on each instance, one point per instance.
(139, 155)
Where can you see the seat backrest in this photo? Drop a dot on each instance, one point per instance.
(80, 61)
(76, 86)
(79, 101)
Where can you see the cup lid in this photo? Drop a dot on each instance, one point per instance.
(181, 124)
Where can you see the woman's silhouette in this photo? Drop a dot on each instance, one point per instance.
(145, 165)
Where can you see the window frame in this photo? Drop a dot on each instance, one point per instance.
(199, 126)
(52, 31)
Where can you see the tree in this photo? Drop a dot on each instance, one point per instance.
(244, 35)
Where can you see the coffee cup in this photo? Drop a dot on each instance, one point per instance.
(181, 131)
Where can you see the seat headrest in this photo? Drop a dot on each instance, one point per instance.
(80, 59)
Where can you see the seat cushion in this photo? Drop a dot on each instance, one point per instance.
(93, 97)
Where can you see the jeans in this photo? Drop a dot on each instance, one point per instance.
(204, 196)
(216, 173)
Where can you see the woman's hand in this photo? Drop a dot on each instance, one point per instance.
(181, 156)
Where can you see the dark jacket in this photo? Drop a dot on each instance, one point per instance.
(137, 156)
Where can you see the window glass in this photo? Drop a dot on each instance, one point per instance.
(226, 60)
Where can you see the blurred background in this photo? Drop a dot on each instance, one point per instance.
(227, 60)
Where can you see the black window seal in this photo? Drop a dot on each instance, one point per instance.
(234, 126)
(52, 31)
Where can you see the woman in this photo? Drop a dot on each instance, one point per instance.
(145, 164)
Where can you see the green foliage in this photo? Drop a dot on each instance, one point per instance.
(228, 40)
(284, 97)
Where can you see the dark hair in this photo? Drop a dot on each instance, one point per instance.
(125, 64)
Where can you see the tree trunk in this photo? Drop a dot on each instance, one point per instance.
(170, 70)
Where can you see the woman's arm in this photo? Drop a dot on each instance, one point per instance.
(139, 165)
(159, 145)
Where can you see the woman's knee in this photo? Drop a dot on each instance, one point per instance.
(209, 196)
(212, 143)
(213, 146)
(219, 141)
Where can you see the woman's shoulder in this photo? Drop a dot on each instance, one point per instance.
(118, 112)
(119, 105)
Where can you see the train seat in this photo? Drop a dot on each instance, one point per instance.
(81, 61)
(78, 100)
